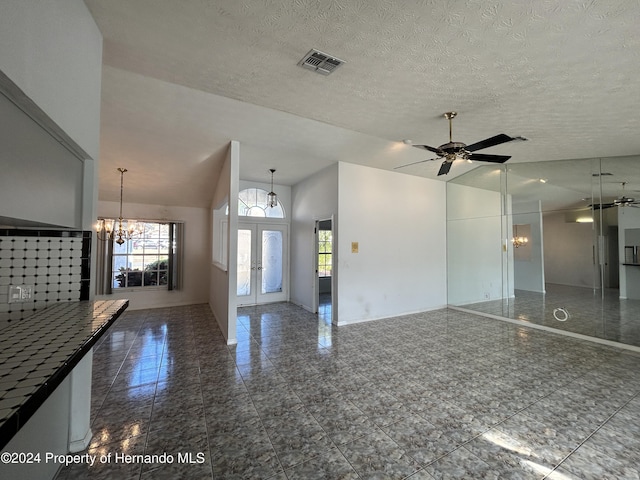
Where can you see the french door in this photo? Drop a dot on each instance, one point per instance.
(262, 263)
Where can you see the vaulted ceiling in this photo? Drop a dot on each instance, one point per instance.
(183, 78)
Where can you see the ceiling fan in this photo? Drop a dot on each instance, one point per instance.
(454, 150)
(621, 201)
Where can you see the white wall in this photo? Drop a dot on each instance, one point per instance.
(195, 261)
(568, 251)
(46, 431)
(529, 259)
(222, 283)
(475, 245)
(399, 223)
(53, 52)
(36, 164)
(314, 198)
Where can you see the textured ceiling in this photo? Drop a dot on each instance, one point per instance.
(183, 78)
(562, 184)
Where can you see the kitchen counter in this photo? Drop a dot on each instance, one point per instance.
(38, 352)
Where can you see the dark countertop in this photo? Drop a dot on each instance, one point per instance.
(38, 352)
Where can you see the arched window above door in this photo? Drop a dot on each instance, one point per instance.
(252, 202)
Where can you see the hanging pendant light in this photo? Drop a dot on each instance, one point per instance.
(519, 241)
(119, 229)
(272, 198)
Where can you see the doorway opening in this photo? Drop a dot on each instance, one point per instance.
(324, 269)
(262, 263)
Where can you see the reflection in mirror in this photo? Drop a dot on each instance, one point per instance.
(578, 216)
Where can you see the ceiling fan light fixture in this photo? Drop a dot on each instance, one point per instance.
(451, 151)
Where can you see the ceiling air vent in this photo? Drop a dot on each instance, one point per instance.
(320, 62)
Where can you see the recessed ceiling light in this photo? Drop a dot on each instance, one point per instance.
(543, 180)
(406, 141)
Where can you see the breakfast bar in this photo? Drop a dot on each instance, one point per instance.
(45, 384)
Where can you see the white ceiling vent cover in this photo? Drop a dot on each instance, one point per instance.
(320, 62)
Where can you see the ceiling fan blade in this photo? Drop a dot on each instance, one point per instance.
(480, 157)
(414, 163)
(431, 149)
(489, 142)
(445, 167)
(598, 206)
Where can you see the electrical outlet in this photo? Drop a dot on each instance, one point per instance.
(20, 293)
(487, 296)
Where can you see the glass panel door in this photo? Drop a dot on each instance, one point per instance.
(273, 264)
(246, 262)
(272, 250)
(262, 264)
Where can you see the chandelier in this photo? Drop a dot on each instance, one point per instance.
(518, 241)
(121, 230)
(272, 198)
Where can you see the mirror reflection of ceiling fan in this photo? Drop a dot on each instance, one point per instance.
(456, 150)
(621, 201)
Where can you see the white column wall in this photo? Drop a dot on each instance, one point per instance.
(399, 223)
(222, 283)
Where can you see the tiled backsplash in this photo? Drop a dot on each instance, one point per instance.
(55, 263)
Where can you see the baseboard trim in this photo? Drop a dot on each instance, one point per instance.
(81, 444)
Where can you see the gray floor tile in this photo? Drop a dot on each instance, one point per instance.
(377, 456)
(442, 394)
(330, 465)
(591, 464)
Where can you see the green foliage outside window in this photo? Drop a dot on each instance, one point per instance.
(154, 274)
(325, 239)
(143, 261)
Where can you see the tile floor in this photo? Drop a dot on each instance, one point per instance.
(589, 312)
(439, 395)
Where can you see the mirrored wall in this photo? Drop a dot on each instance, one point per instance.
(554, 244)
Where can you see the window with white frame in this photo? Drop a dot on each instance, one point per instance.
(325, 241)
(252, 202)
(152, 259)
(144, 260)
